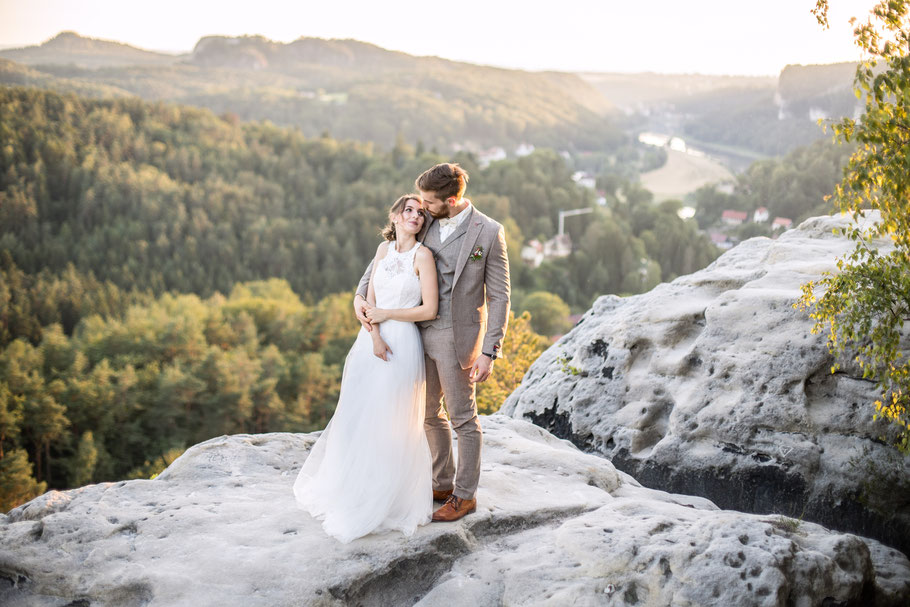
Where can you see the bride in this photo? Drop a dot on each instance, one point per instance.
(371, 470)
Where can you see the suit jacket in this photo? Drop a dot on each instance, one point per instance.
(480, 287)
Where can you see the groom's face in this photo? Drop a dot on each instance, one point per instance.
(434, 206)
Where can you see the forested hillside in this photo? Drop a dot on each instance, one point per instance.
(169, 275)
(746, 119)
(176, 198)
(351, 89)
(794, 186)
(743, 117)
(141, 378)
(776, 120)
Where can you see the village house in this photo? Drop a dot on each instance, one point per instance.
(535, 252)
(558, 246)
(585, 180)
(485, 157)
(721, 240)
(733, 218)
(781, 223)
(532, 253)
(524, 149)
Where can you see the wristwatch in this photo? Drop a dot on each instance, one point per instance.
(492, 356)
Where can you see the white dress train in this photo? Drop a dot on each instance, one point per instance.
(371, 469)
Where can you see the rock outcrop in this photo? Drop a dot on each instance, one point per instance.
(554, 526)
(713, 385)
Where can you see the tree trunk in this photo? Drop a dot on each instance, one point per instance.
(38, 474)
(47, 461)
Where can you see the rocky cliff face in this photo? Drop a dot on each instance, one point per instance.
(713, 385)
(554, 526)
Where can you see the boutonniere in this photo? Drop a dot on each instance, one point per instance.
(477, 254)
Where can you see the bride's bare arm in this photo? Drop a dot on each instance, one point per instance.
(380, 348)
(370, 300)
(429, 291)
(365, 297)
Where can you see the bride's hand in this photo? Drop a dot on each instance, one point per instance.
(377, 315)
(368, 309)
(380, 349)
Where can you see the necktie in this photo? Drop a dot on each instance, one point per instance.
(448, 222)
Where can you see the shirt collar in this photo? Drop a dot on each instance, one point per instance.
(459, 219)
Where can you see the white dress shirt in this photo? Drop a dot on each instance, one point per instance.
(448, 225)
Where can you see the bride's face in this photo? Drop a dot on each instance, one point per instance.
(411, 217)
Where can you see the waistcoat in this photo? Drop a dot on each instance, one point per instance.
(446, 254)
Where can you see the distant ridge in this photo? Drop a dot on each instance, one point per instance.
(350, 89)
(258, 52)
(634, 90)
(69, 48)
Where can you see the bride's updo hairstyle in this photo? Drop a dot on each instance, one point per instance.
(389, 231)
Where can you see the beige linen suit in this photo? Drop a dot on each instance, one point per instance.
(473, 275)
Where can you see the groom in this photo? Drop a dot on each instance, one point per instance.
(464, 339)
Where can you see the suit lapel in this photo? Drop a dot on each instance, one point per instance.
(474, 228)
(454, 236)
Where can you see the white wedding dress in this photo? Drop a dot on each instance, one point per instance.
(371, 470)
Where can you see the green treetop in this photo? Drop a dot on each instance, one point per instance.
(865, 305)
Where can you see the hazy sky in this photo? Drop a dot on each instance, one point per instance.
(706, 36)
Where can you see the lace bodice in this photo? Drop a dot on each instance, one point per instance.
(395, 282)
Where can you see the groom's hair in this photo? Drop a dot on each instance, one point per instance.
(445, 180)
(389, 232)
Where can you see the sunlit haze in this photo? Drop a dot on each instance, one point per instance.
(703, 36)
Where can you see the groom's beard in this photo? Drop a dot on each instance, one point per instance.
(443, 214)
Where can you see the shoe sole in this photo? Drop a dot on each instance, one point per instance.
(471, 511)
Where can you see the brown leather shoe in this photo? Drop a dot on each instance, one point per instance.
(441, 496)
(454, 509)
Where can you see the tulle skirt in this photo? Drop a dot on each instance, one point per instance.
(371, 470)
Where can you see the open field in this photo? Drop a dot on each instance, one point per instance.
(683, 173)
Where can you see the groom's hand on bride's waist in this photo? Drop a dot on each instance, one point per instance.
(360, 305)
(481, 370)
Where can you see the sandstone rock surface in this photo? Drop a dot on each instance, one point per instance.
(713, 385)
(554, 526)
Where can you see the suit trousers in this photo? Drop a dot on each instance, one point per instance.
(447, 381)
